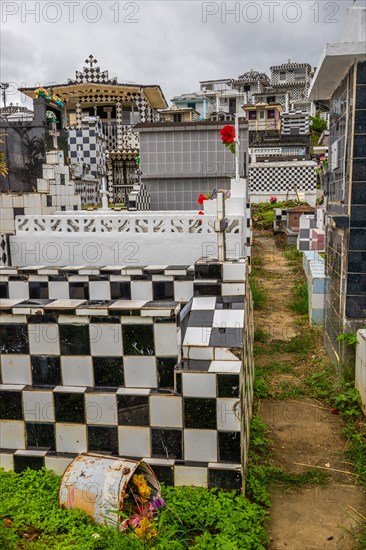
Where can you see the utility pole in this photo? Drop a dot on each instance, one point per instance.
(4, 86)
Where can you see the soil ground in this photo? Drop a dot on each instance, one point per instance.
(304, 431)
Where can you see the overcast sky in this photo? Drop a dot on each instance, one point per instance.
(171, 43)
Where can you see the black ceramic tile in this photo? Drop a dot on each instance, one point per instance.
(138, 339)
(360, 122)
(201, 318)
(356, 284)
(361, 73)
(79, 291)
(359, 146)
(18, 211)
(356, 307)
(165, 366)
(206, 289)
(226, 337)
(165, 474)
(357, 240)
(224, 479)
(38, 290)
(229, 447)
(14, 338)
(230, 302)
(356, 262)
(22, 462)
(4, 290)
(120, 290)
(200, 365)
(69, 407)
(110, 319)
(46, 370)
(359, 192)
(178, 383)
(42, 319)
(360, 97)
(11, 405)
(103, 439)
(39, 434)
(227, 385)
(74, 339)
(108, 371)
(133, 410)
(166, 443)
(359, 169)
(200, 413)
(208, 271)
(163, 290)
(358, 216)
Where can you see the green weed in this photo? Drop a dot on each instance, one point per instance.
(259, 294)
(300, 299)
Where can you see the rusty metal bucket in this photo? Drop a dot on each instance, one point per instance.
(97, 485)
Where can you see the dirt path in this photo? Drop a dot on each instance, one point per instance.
(304, 432)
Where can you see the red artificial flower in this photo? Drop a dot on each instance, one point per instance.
(227, 134)
(202, 198)
(200, 213)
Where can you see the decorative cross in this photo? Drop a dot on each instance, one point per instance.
(55, 134)
(91, 61)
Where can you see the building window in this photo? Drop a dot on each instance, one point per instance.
(271, 114)
(246, 88)
(271, 99)
(72, 118)
(252, 115)
(191, 105)
(282, 76)
(177, 117)
(261, 115)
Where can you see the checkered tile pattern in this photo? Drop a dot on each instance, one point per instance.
(139, 198)
(4, 250)
(281, 178)
(92, 74)
(114, 377)
(90, 142)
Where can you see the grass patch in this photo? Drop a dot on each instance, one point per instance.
(263, 213)
(259, 294)
(260, 335)
(30, 518)
(300, 299)
(292, 254)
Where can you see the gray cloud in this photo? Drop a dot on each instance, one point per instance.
(170, 44)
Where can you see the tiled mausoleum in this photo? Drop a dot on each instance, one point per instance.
(153, 363)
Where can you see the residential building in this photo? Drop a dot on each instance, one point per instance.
(176, 114)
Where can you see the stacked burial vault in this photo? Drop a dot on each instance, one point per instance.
(166, 376)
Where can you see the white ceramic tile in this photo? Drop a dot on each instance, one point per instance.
(133, 391)
(190, 476)
(224, 354)
(16, 369)
(233, 367)
(228, 318)
(206, 354)
(57, 464)
(141, 290)
(199, 384)
(101, 408)
(134, 441)
(70, 389)
(38, 406)
(77, 370)
(58, 290)
(29, 452)
(228, 415)
(12, 434)
(183, 291)
(205, 302)
(106, 339)
(19, 290)
(233, 289)
(234, 272)
(99, 290)
(63, 303)
(197, 336)
(166, 411)
(7, 461)
(140, 372)
(71, 438)
(200, 445)
(165, 339)
(44, 339)
(6, 319)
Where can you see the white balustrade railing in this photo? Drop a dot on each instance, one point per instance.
(123, 223)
